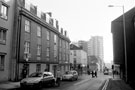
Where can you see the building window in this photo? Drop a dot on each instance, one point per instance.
(27, 26)
(55, 47)
(27, 47)
(38, 31)
(2, 59)
(38, 67)
(48, 52)
(3, 36)
(74, 53)
(48, 35)
(55, 39)
(55, 55)
(38, 50)
(63, 44)
(4, 11)
(60, 56)
(60, 42)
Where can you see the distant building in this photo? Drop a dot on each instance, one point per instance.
(82, 44)
(93, 63)
(77, 56)
(95, 48)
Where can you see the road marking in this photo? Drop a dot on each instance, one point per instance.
(106, 84)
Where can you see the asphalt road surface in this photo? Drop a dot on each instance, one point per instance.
(84, 82)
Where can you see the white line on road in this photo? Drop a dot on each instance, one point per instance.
(106, 84)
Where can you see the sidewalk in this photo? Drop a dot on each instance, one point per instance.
(9, 85)
(116, 84)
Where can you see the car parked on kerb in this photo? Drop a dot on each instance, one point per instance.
(38, 79)
(70, 75)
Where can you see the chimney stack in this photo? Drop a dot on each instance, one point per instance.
(65, 33)
(62, 31)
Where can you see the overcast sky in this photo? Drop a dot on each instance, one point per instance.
(85, 18)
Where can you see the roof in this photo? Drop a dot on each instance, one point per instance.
(74, 47)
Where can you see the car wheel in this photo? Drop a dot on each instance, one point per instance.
(72, 79)
(76, 78)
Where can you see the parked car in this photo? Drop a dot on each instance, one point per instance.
(38, 79)
(70, 75)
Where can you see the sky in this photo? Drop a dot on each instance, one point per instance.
(85, 18)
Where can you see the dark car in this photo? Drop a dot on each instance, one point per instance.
(38, 79)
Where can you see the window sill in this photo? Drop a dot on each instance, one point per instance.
(3, 18)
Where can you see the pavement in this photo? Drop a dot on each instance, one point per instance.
(115, 83)
(9, 85)
(110, 84)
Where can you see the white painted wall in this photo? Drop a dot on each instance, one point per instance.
(81, 57)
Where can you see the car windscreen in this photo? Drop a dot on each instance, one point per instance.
(36, 75)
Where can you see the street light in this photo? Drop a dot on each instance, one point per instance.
(25, 72)
(124, 32)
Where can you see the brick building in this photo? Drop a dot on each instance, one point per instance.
(35, 41)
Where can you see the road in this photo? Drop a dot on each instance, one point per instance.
(84, 82)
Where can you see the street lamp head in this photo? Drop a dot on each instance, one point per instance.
(116, 6)
(110, 5)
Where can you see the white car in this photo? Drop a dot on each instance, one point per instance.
(38, 79)
(70, 75)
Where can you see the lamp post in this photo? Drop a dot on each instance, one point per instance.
(28, 55)
(124, 34)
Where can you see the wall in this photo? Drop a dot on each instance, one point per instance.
(7, 24)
